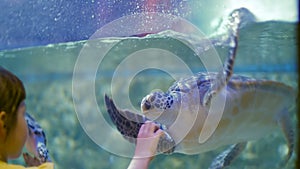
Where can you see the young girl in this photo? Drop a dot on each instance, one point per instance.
(13, 127)
(14, 130)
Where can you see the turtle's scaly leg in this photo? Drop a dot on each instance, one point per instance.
(226, 157)
(286, 125)
(128, 123)
(224, 75)
(37, 141)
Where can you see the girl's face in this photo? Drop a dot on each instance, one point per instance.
(17, 136)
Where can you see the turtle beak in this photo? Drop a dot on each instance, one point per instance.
(145, 105)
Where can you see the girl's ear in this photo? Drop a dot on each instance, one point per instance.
(3, 126)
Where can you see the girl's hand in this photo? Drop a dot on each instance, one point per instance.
(146, 145)
(31, 161)
(147, 140)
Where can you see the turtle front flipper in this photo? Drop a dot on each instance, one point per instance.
(226, 72)
(129, 124)
(226, 157)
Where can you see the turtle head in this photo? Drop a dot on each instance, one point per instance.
(154, 104)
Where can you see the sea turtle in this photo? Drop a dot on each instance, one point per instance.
(36, 141)
(253, 108)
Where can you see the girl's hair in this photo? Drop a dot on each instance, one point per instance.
(12, 93)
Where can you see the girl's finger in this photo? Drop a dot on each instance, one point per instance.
(159, 132)
(149, 126)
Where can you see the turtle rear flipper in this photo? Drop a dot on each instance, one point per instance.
(286, 125)
(129, 124)
(226, 157)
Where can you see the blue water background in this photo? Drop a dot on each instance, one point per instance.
(29, 22)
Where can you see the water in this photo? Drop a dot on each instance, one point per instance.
(31, 22)
(266, 50)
